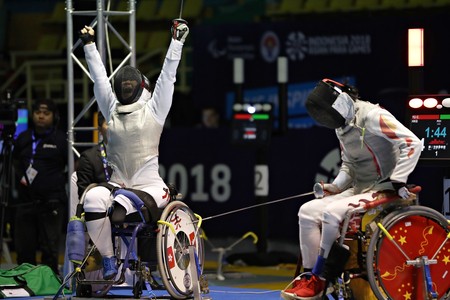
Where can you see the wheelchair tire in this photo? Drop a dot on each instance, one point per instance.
(419, 231)
(172, 249)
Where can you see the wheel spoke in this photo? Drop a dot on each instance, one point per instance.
(419, 232)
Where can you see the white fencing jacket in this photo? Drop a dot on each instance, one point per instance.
(134, 130)
(375, 148)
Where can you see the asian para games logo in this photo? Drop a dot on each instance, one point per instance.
(298, 45)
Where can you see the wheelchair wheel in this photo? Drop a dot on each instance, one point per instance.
(419, 231)
(172, 249)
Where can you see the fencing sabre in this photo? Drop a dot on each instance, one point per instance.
(181, 8)
(317, 192)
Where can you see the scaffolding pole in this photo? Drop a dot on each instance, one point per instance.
(102, 27)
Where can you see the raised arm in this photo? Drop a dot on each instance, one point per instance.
(164, 87)
(102, 87)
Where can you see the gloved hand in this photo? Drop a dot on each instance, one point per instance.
(325, 189)
(401, 189)
(179, 30)
(331, 189)
(87, 35)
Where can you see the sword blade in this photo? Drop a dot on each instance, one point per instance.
(257, 205)
(181, 8)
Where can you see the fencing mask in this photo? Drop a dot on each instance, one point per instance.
(331, 103)
(128, 85)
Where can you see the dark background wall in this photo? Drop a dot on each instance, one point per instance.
(367, 47)
(370, 49)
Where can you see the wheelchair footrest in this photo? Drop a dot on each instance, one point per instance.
(110, 282)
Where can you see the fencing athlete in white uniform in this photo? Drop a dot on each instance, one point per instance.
(135, 118)
(378, 153)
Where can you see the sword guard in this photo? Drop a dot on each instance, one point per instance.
(179, 21)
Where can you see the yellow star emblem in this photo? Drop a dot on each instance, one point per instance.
(446, 259)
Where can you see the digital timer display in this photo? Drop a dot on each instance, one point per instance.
(432, 130)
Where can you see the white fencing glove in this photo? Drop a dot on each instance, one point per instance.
(325, 189)
(179, 30)
(401, 189)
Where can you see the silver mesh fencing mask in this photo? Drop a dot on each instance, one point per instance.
(128, 85)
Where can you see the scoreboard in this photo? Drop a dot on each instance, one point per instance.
(251, 124)
(429, 119)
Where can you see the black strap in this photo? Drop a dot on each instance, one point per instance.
(92, 216)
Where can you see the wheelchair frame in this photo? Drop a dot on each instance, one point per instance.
(394, 268)
(179, 254)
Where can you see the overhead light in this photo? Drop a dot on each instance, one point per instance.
(430, 102)
(251, 109)
(446, 102)
(415, 103)
(415, 47)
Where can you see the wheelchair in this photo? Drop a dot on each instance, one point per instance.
(168, 240)
(402, 250)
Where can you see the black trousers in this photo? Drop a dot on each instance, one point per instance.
(39, 227)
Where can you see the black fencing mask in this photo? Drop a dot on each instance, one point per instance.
(319, 106)
(128, 85)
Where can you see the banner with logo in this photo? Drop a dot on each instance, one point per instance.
(370, 50)
(297, 94)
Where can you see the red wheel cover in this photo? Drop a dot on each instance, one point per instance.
(417, 236)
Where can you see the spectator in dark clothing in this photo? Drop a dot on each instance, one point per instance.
(40, 158)
(92, 167)
(92, 164)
